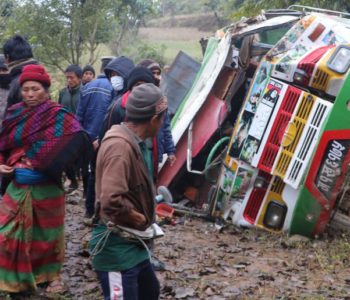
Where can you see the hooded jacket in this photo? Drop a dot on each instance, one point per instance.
(122, 179)
(123, 66)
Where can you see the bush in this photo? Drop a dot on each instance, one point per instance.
(141, 50)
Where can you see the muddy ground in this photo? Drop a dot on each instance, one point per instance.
(205, 263)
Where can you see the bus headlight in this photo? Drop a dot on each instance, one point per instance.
(340, 60)
(275, 215)
(259, 182)
(301, 77)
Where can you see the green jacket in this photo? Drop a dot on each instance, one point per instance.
(69, 98)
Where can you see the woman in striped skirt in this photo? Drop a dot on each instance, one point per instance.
(38, 139)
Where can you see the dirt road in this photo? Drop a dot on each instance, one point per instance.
(203, 263)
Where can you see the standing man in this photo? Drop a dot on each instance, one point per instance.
(154, 67)
(125, 190)
(96, 97)
(69, 98)
(70, 95)
(88, 74)
(18, 53)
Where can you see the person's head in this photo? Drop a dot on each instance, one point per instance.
(88, 74)
(117, 72)
(105, 60)
(35, 83)
(138, 76)
(166, 68)
(73, 75)
(154, 67)
(17, 48)
(146, 107)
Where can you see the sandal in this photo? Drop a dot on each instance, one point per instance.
(56, 287)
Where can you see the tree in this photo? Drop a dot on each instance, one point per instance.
(129, 21)
(239, 8)
(6, 8)
(61, 31)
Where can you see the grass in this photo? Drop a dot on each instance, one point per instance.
(174, 39)
(192, 48)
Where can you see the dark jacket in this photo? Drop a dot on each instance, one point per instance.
(120, 154)
(95, 98)
(15, 95)
(116, 115)
(69, 98)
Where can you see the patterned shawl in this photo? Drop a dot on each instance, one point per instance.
(48, 134)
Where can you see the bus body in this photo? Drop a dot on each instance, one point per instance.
(289, 151)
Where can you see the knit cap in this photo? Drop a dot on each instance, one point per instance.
(89, 68)
(34, 73)
(145, 101)
(149, 64)
(140, 74)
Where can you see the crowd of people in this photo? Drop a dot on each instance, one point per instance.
(111, 131)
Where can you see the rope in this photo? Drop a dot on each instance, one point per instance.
(104, 237)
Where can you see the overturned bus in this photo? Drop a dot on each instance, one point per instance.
(287, 161)
(209, 110)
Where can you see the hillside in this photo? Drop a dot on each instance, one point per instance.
(203, 21)
(181, 32)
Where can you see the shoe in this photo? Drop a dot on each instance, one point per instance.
(88, 222)
(157, 265)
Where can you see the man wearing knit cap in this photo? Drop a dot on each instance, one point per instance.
(125, 192)
(88, 74)
(154, 67)
(116, 112)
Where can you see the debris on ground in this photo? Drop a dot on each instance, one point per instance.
(204, 263)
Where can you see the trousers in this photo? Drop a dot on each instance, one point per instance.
(137, 283)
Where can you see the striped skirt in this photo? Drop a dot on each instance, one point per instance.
(31, 236)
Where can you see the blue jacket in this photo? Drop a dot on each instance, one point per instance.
(96, 96)
(165, 143)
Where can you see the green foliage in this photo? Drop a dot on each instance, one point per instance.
(6, 8)
(181, 7)
(140, 50)
(239, 8)
(62, 31)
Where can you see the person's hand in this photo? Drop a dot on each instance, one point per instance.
(95, 144)
(137, 218)
(171, 159)
(6, 170)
